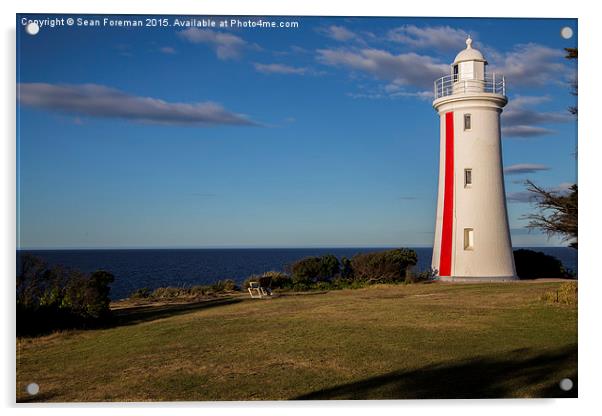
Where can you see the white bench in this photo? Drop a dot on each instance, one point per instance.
(258, 291)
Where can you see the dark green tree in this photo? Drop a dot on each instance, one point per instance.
(313, 269)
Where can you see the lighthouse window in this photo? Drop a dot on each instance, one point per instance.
(467, 178)
(468, 239)
(467, 121)
(455, 73)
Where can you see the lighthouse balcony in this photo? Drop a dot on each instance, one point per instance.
(456, 84)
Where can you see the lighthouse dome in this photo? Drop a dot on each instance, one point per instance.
(469, 54)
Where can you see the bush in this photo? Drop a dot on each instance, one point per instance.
(169, 293)
(227, 285)
(346, 269)
(142, 293)
(271, 279)
(383, 266)
(253, 278)
(314, 269)
(423, 276)
(341, 283)
(566, 294)
(535, 264)
(55, 298)
(197, 291)
(278, 280)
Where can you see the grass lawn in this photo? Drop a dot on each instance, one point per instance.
(383, 342)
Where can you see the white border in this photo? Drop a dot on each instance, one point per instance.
(590, 151)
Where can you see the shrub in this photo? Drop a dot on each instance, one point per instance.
(168, 293)
(278, 280)
(199, 290)
(227, 285)
(535, 264)
(423, 276)
(313, 269)
(142, 293)
(88, 295)
(346, 269)
(252, 278)
(56, 298)
(271, 279)
(323, 285)
(383, 266)
(566, 294)
(302, 286)
(341, 283)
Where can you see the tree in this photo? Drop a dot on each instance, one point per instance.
(383, 266)
(314, 269)
(535, 264)
(54, 298)
(557, 212)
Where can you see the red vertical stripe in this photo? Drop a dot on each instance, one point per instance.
(448, 198)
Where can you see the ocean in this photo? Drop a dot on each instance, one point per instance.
(152, 268)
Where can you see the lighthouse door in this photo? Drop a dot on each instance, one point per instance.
(467, 70)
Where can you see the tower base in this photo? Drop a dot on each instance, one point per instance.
(477, 279)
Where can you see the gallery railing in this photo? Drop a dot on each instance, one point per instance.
(452, 84)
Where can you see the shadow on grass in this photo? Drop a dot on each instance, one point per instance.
(41, 397)
(139, 314)
(538, 375)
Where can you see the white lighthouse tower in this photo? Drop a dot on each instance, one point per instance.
(472, 239)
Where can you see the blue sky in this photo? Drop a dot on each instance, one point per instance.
(322, 135)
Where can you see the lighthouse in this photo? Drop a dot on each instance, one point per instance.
(472, 238)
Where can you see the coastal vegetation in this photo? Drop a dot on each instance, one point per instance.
(325, 272)
(532, 264)
(55, 298)
(193, 292)
(52, 298)
(329, 273)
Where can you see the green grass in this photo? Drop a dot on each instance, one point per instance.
(382, 342)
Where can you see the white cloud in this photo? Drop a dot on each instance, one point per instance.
(339, 33)
(518, 120)
(226, 45)
(403, 69)
(280, 69)
(433, 37)
(526, 131)
(522, 168)
(518, 113)
(101, 101)
(421, 95)
(383, 93)
(531, 64)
